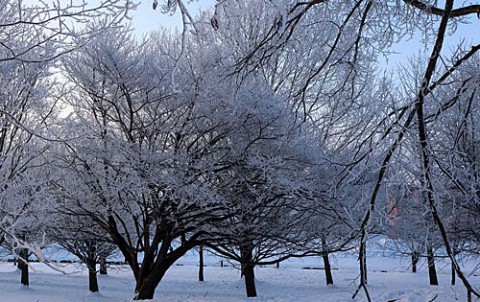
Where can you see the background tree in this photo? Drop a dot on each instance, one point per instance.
(81, 237)
(268, 185)
(454, 154)
(33, 35)
(24, 217)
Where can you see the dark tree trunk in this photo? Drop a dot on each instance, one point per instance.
(328, 269)
(103, 265)
(145, 289)
(432, 272)
(23, 266)
(146, 285)
(249, 274)
(453, 274)
(453, 280)
(200, 264)
(363, 263)
(326, 263)
(92, 274)
(415, 259)
(248, 271)
(150, 275)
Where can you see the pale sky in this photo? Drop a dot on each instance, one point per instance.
(468, 33)
(146, 19)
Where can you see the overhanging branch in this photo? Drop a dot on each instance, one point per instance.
(463, 11)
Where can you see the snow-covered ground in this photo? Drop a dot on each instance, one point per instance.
(389, 280)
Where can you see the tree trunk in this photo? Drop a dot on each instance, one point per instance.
(92, 275)
(432, 272)
(23, 266)
(103, 266)
(147, 282)
(158, 256)
(453, 274)
(249, 274)
(91, 262)
(363, 263)
(453, 280)
(145, 289)
(200, 264)
(415, 259)
(326, 263)
(328, 269)
(248, 271)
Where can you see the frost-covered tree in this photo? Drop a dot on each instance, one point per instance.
(318, 84)
(272, 87)
(24, 112)
(266, 181)
(143, 157)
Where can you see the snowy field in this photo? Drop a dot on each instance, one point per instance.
(389, 280)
